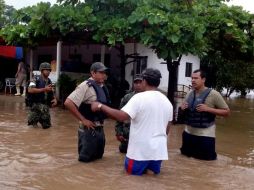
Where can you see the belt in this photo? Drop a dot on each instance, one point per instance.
(98, 124)
(97, 127)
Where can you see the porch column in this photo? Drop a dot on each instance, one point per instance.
(58, 65)
(103, 49)
(31, 64)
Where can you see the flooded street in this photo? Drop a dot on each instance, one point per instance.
(37, 159)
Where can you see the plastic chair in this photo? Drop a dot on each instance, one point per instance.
(9, 83)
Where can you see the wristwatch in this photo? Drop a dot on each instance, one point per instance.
(99, 106)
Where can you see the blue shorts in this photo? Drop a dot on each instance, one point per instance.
(135, 167)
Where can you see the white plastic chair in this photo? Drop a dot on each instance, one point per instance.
(9, 83)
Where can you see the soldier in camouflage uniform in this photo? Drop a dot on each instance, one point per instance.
(40, 98)
(122, 129)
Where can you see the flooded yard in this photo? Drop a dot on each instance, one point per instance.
(37, 159)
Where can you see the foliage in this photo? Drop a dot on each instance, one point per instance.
(2, 6)
(210, 29)
(32, 24)
(230, 40)
(112, 20)
(233, 76)
(171, 28)
(6, 13)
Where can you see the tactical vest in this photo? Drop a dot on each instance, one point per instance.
(102, 95)
(195, 118)
(43, 97)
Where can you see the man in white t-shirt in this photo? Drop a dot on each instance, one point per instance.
(150, 113)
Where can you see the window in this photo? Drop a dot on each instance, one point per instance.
(97, 58)
(188, 69)
(140, 64)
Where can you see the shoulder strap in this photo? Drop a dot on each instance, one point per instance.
(206, 93)
(193, 100)
(89, 82)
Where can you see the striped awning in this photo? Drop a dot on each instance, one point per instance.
(11, 52)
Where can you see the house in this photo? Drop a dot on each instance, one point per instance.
(75, 60)
(188, 64)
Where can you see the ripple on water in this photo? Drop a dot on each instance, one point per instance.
(36, 159)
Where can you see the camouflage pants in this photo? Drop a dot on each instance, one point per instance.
(39, 113)
(123, 129)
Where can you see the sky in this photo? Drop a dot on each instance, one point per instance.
(17, 4)
(246, 4)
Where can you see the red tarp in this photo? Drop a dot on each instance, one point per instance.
(11, 51)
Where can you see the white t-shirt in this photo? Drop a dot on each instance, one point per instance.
(150, 112)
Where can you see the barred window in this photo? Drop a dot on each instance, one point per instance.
(188, 69)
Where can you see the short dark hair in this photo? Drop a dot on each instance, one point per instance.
(202, 73)
(152, 77)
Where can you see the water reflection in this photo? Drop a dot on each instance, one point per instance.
(37, 159)
(235, 134)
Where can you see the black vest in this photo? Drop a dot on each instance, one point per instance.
(43, 97)
(102, 96)
(195, 118)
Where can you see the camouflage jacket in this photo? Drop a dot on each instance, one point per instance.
(123, 128)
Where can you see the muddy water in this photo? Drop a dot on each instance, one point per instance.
(37, 159)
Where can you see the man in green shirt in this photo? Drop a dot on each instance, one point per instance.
(123, 128)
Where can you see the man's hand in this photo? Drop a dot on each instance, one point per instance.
(87, 123)
(54, 102)
(121, 138)
(48, 88)
(202, 108)
(184, 105)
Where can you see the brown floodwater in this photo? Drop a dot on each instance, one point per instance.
(37, 159)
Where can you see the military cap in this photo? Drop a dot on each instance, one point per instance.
(138, 78)
(45, 66)
(98, 66)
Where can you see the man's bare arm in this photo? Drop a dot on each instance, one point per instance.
(115, 114)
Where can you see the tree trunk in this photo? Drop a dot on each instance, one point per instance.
(122, 57)
(172, 67)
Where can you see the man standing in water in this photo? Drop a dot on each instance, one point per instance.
(150, 113)
(91, 134)
(40, 98)
(123, 128)
(200, 108)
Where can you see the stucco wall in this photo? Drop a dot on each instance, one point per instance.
(87, 52)
(154, 62)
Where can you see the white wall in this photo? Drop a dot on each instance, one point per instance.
(154, 62)
(182, 67)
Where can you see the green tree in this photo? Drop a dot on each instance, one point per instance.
(171, 28)
(6, 13)
(231, 49)
(2, 6)
(33, 24)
